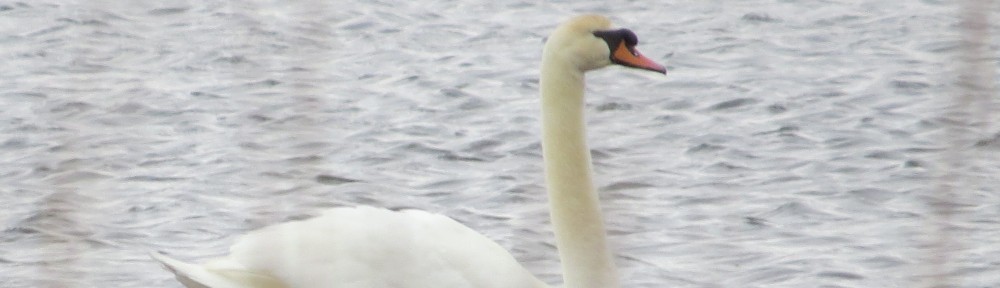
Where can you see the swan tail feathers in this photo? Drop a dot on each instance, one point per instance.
(198, 276)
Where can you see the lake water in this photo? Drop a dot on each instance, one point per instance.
(793, 143)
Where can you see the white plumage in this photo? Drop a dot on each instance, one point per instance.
(407, 248)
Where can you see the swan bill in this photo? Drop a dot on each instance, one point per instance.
(626, 56)
(622, 44)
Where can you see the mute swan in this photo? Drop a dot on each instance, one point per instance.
(371, 247)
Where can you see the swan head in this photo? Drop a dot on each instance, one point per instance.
(589, 42)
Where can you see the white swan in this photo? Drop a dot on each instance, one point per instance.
(367, 247)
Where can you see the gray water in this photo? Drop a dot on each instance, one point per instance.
(793, 143)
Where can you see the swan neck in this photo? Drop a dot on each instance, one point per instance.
(575, 211)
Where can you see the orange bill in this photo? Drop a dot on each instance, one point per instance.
(632, 58)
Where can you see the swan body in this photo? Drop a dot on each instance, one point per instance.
(347, 246)
(366, 247)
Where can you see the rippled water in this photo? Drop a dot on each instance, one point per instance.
(793, 144)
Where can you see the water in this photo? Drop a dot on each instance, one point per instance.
(793, 144)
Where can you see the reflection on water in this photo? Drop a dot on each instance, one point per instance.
(793, 144)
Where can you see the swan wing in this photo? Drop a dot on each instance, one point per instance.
(208, 276)
(361, 247)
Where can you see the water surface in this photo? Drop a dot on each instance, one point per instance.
(793, 143)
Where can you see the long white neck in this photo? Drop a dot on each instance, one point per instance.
(576, 216)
